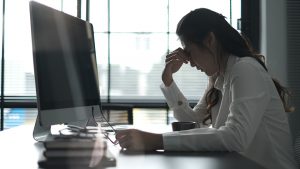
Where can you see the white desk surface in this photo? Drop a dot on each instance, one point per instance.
(19, 150)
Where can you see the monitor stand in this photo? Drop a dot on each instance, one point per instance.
(41, 133)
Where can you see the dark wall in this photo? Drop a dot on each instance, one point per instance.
(293, 60)
(250, 12)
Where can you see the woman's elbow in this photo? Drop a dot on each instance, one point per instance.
(235, 140)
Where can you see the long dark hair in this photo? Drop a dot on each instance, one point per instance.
(197, 24)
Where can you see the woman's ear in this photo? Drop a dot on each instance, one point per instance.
(210, 40)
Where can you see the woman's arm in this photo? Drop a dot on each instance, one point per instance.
(180, 105)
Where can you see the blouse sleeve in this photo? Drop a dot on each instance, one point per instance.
(180, 106)
(249, 87)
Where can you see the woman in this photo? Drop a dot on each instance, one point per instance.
(245, 106)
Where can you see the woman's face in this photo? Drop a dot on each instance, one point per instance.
(202, 58)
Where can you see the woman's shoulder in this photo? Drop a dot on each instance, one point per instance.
(247, 64)
(246, 67)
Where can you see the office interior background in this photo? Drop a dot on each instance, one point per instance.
(132, 38)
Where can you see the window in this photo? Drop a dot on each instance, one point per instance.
(18, 70)
(19, 77)
(132, 38)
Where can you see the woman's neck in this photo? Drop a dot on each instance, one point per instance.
(223, 62)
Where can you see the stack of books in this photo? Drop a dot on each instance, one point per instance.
(76, 152)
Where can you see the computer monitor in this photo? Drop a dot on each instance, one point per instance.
(65, 69)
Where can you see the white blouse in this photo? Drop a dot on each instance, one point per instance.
(249, 119)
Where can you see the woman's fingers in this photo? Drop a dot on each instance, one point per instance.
(130, 139)
(137, 140)
(120, 134)
(173, 66)
(125, 143)
(177, 54)
(173, 63)
(123, 138)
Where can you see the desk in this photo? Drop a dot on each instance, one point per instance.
(18, 150)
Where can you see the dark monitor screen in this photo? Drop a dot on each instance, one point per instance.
(64, 59)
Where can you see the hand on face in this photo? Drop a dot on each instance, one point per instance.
(174, 61)
(136, 140)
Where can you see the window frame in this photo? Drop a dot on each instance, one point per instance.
(30, 101)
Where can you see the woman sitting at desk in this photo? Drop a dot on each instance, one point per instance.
(245, 106)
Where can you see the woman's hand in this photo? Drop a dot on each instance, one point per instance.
(173, 61)
(136, 140)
